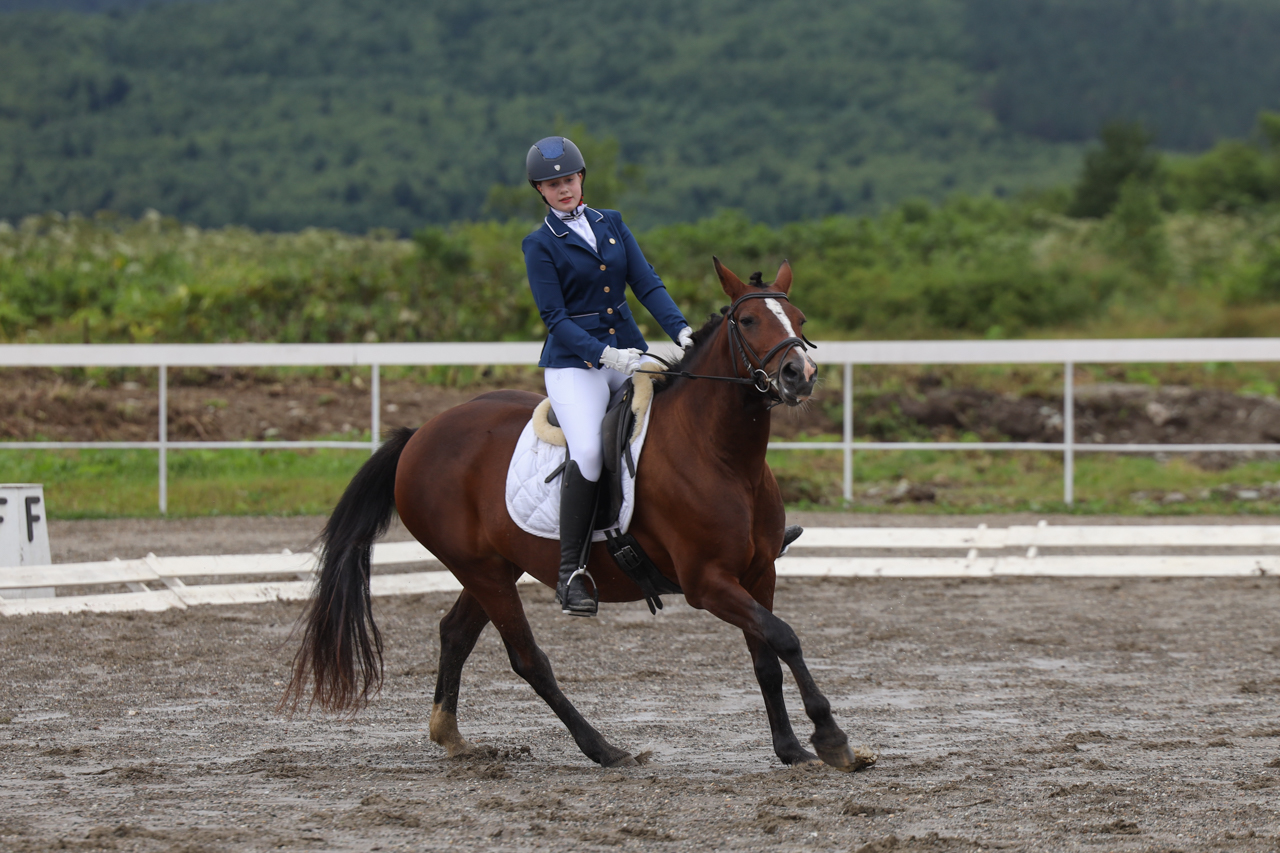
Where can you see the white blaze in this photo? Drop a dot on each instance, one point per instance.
(776, 307)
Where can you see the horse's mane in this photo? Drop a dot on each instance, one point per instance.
(700, 339)
(701, 336)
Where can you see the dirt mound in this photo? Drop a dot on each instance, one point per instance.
(1105, 413)
(235, 405)
(225, 406)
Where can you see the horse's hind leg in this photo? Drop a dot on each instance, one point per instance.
(459, 630)
(530, 663)
(769, 674)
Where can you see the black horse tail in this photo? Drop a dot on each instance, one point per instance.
(341, 647)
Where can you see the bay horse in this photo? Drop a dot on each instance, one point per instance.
(707, 511)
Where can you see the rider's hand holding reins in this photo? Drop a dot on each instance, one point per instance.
(622, 360)
(685, 338)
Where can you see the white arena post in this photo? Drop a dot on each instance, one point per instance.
(24, 534)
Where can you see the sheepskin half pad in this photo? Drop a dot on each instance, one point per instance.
(533, 503)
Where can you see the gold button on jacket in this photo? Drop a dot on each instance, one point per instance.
(602, 266)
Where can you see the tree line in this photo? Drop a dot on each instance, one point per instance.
(283, 114)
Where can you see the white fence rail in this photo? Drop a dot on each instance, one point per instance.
(1029, 540)
(297, 570)
(847, 353)
(156, 583)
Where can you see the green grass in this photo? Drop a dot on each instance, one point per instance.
(978, 481)
(115, 484)
(125, 483)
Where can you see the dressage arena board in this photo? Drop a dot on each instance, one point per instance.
(156, 583)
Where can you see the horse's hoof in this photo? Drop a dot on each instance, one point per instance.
(848, 760)
(461, 749)
(802, 758)
(624, 760)
(444, 731)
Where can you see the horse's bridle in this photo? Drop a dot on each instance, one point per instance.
(757, 377)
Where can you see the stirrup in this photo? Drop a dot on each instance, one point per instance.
(581, 610)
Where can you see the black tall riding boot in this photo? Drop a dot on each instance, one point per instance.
(577, 513)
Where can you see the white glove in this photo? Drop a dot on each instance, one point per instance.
(622, 360)
(685, 338)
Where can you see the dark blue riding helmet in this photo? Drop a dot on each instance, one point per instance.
(553, 157)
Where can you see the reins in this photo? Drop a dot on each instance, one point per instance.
(758, 378)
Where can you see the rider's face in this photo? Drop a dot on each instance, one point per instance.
(564, 194)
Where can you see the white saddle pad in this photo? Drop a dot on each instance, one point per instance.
(533, 503)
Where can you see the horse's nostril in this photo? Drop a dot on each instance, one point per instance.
(794, 374)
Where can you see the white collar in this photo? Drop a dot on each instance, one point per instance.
(549, 219)
(570, 215)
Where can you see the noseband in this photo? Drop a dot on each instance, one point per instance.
(757, 377)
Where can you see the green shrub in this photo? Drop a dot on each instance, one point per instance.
(967, 267)
(1136, 228)
(1235, 175)
(1125, 155)
(1258, 281)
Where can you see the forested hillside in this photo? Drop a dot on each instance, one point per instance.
(86, 6)
(1193, 71)
(282, 114)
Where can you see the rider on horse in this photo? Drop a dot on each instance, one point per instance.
(580, 261)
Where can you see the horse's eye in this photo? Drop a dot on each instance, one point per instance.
(747, 321)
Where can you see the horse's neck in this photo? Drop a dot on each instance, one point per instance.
(730, 418)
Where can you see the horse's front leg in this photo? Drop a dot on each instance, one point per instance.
(769, 674)
(725, 597)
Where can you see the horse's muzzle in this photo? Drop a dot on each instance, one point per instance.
(796, 378)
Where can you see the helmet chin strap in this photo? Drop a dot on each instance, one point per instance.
(582, 199)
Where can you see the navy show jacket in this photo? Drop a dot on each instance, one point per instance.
(582, 294)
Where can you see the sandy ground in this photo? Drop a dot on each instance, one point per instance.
(1035, 714)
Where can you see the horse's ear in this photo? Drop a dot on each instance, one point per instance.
(782, 283)
(733, 286)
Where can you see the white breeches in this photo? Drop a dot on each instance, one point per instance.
(580, 397)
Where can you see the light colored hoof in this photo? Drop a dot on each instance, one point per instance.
(849, 760)
(444, 731)
(461, 748)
